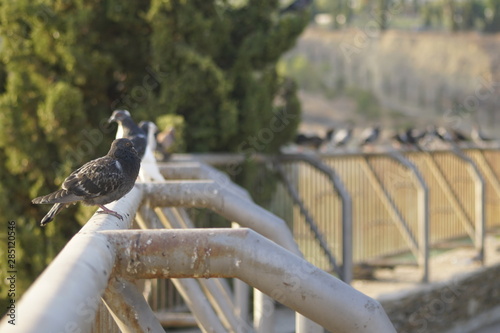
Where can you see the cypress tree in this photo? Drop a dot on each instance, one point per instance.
(64, 66)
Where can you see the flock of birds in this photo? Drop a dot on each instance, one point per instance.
(132, 156)
(109, 178)
(410, 138)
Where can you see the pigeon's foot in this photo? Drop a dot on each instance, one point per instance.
(109, 211)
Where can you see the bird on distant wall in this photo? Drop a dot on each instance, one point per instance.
(342, 137)
(401, 138)
(296, 6)
(97, 182)
(127, 128)
(370, 135)
(450, 135)
(336, 138)
(309, 141)
(415, 135)
(410, 137)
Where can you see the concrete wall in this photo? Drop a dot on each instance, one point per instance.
(462, 304)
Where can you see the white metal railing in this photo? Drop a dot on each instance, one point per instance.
(104, 259)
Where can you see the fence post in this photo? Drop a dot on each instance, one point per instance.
(423, 214)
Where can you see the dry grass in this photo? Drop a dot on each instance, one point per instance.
(424, 75)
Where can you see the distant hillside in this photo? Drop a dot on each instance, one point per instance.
(451, 77)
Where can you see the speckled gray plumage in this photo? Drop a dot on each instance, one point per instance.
(98, 182)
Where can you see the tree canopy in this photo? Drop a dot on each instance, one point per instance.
(66, 65)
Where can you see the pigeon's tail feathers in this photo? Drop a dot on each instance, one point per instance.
(59, 196)
(52, 213)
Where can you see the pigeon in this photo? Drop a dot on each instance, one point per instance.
(151, 130)
(415, 135)
(97, 182)
(313, 141)
(149, 169)
(450, 135)
(296, 6)
(127, 128)
(166, 139)
(342, 137)
(337, 138)
(329, 134)
(370, 135)
(410, 137)
(401, 138)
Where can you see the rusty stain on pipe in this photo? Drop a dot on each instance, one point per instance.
(244, 254)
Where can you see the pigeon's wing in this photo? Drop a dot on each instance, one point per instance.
(95, 178)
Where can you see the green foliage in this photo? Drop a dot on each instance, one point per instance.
(232, 52)
(65, 65)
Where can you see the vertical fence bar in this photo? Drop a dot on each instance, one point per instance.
(309, 219)
(338, 186)
(391, 207)
(423, 215)
(449, 194)
(479, 186)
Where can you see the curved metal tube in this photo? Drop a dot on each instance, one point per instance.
(244, 254)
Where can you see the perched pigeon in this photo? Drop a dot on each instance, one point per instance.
(411, 137)
(342, 137)
(415, 135)
(310, 141)
(149, 169)
(370, 135)
(151, 130)
(127, 128)
(329, 134)
(450, 135)
(401, 138)
(97, 182)
(166, 139)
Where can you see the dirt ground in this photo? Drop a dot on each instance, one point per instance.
(442, 267)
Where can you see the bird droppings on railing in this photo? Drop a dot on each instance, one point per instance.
(237, 262)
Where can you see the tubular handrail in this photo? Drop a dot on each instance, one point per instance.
(245, 254)
(80, 273)
(83, 268)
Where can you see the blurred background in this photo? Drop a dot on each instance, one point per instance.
(401, 63)
(219, 71)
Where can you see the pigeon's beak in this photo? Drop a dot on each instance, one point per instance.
(111, 119)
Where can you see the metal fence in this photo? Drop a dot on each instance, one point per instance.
(396, 204)
(385, 205)
(386, 208)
